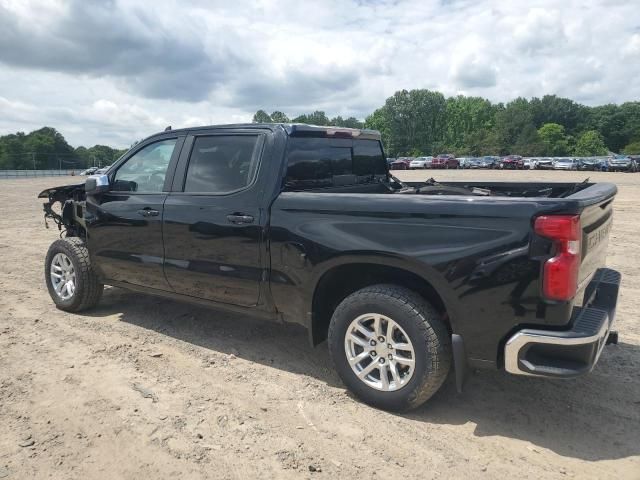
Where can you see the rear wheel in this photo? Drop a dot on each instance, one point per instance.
(389, 347)
(72, 283)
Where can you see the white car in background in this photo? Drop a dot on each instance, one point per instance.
(102, 171)
(420, 162)
(89, 171)
(465, 162)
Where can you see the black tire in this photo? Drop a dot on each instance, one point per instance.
(425, 330)
(88, 288)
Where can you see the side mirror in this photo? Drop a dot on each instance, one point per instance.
(96, 184)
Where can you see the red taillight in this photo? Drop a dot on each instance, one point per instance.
(560, 273)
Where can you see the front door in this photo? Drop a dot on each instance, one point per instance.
(213, 224)
(124, 225)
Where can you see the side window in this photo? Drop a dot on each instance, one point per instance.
(146, 170)
(368, 158)
(222, 163)
(318, 163)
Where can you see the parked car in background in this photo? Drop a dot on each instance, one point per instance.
(445, 160)
(464, 162)
(544, 164)
(420, 162)
(89, 171)
(486, 162)
(585, 163)
(490, 161)
(530, 163)
(102, 171)
(591, 164)
(475, 162)
(621, 163)
(400, 163)
(513, 162)
(564, 164)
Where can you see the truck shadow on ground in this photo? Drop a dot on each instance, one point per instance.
(596, 417)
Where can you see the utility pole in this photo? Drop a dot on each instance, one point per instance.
(33, 157)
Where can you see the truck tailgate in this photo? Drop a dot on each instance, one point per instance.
(596, 221)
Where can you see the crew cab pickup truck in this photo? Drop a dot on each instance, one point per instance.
(304, 224)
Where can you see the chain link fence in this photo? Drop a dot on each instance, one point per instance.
(37, 173)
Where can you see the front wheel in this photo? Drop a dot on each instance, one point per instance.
(390, 347)
(72, 283)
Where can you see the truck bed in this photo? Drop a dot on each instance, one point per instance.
(595, 191)
(499, 189)
(478, 247)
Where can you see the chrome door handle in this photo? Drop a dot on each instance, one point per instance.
(148, 212)
(239, 218)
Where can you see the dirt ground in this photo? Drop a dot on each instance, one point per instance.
(148, 388)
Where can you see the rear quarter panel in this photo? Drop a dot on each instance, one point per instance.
(474, 251)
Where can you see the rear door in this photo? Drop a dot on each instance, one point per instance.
(124, 225)
(213, 221)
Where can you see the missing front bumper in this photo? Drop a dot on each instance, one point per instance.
(568, 353)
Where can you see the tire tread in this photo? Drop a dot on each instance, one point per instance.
(433, 330)
(90, 288)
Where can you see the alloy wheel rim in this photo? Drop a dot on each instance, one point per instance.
(379, 352)
(63, 276)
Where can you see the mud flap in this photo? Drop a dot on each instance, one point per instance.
(459, 361)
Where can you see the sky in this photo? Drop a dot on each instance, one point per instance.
(113, 72)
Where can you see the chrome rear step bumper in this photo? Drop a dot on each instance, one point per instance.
(573, 352)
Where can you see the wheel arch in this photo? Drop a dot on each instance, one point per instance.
(340, 278)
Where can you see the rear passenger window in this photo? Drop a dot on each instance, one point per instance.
(222, 163)
(368, 158)
(321, 163)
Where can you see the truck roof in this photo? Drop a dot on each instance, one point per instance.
(293, 130)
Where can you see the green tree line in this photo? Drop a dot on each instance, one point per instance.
(412, 122)
(46, 148)
(424, 122)
(315, 118)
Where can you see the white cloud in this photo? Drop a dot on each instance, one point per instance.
(632, 48)
(115, 71)
(539, 30)
(471, 65)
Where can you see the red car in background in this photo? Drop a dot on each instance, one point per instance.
(445, 160)
(513, 162)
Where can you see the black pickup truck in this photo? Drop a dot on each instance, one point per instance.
(305, 224)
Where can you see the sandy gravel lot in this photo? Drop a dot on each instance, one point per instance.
(234, 398)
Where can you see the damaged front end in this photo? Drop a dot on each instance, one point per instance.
(70, 217)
